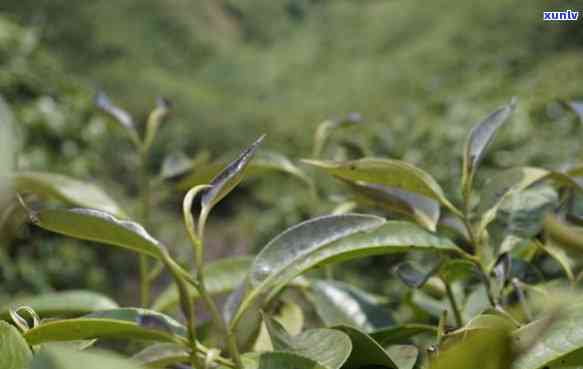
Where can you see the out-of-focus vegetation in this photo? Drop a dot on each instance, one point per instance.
(420, 74)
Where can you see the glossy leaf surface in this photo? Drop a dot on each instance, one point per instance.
(98, 226)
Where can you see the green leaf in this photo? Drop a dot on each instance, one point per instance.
(454, 270)
(479, 138)
(365, 351)
(68, 190)
(162, 355)
(221, 276)
(224, 182)
(488, 349)
(414, 275)
(504, 185)
(386, 172)
(264, 163)
(561, 340)
(126, 324)
(421, 209)
(98, 226)
(339, 303)
(155, 118)
(563, 235)
(282, 360)
(328, 347)
(14, 351)
(405, 356)
(399, 333)
(61, 358)
(288, 315)
(61, 304)
(335, 238)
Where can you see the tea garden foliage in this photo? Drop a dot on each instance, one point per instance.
(481, 264)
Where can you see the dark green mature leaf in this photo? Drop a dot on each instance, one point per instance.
(264, 163)
(339, 303)
(62, 358)
(282, 360)
(561, 340)
(335, 238)
(479, 138)
(95, 225)
(421, 209)
(14, 351)
(125, 324)
(365, 351)
(399, 333)
(386, 172)
(61, 304)
(162, 355)
(329, 347)
(66, 189)
(405, 356)
(228, 178)
(221, 276)
(504, 185)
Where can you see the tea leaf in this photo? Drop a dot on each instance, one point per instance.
(66, 189)
(479, 138)
(14, 351)
(413, 275)
(504, 185)
(155, 118)
(221, 276)
(289, 316)
(335, 238)
(421, 209)
(365, 351)
(564, 235)
(162, 355)
(61, 304)
(125, 323)
(386, 172)
(339, 303)
(555, 346)
(405, 356)
(121, 116)
(398, 333)
(281, 360)
(328, 347)
(62, 358)
(96, 225)
(229, 177)
(263, 163)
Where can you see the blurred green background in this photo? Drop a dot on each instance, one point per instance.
(421, 74)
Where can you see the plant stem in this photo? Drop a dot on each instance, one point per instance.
(453, 303)
(145, 218)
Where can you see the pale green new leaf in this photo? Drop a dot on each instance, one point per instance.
(98, 226)
(221, 276)
(329, 347)
(61, 304)
(62, 358)
(225, 181)
(66, 189)
(479, 138)
(386, 172)
(121, 324)
(14, 351)
(339, 303)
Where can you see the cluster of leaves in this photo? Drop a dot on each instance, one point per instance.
(483, 284)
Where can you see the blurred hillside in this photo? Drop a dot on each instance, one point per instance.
(421, 74)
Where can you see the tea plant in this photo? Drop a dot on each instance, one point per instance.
(477, 271)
